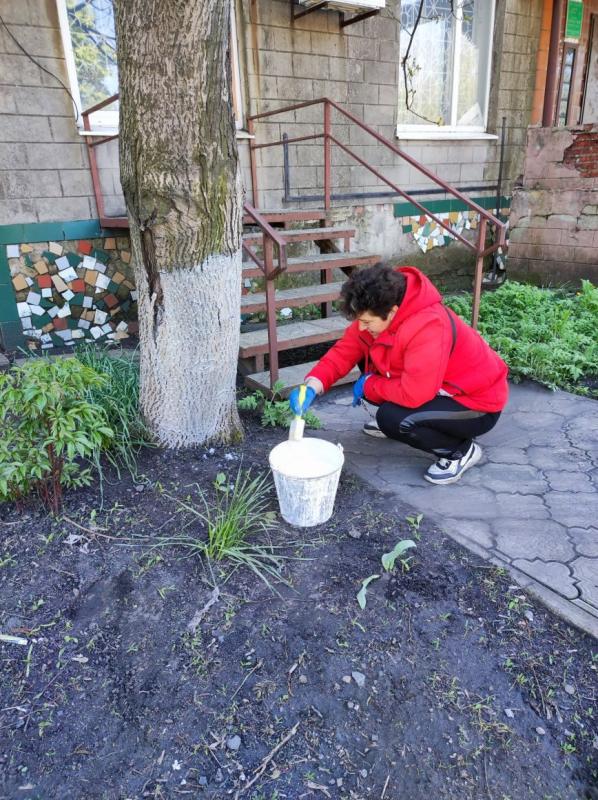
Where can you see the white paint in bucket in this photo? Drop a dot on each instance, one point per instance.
(306, 475)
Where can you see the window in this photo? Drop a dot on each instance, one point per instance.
(445, 65)
(87, 28)
(567, 67)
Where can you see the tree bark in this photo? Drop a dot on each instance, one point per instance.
(180, 177)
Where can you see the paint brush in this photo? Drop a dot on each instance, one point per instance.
(297, 425)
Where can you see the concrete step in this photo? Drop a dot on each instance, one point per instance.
(319, 261)
(291, 377)
(300, 296)
(295, 334)
(304, 235)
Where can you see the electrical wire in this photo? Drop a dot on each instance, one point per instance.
(37, 64)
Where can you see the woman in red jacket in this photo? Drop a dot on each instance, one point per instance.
(436, 382)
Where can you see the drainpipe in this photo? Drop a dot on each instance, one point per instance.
(553, 65)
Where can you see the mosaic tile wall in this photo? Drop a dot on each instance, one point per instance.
(428, 234)
(74, 290)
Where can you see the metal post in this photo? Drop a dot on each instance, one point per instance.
(271, 310)
(327, 149)
(479, 274)
(253, 165)
(93, 166)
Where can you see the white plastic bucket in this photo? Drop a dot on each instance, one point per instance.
(306, 475)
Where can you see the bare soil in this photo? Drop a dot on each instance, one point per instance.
(451, 683)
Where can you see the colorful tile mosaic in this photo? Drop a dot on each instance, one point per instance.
(74, 290)
(429, 234)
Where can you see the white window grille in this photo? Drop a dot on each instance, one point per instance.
(444, 83)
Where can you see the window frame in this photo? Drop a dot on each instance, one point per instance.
(105, 121)
(573, 48)
(432, 131)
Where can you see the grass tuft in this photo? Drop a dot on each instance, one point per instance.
(119, 397)
(241, 510)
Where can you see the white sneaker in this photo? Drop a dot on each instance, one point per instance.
(372, 429)
(447, 470)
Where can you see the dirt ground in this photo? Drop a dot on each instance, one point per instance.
(451, 683)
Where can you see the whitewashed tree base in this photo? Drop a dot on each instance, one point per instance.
(189, 353)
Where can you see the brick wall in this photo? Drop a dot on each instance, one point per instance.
(44, 172)
(554, 214)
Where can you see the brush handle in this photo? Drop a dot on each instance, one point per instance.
(302, 394)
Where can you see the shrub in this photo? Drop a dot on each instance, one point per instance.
(47, 428)
(545, 334)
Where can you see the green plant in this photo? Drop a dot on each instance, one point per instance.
(388, 562)
(414, 522)
(48, 427)
(119, 397)
(241, 510)
(275, 410)
(545, 334)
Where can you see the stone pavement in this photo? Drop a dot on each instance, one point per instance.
(531, 505)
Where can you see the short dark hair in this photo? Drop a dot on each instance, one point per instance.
(375, 289)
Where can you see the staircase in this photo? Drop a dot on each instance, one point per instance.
(329, 258)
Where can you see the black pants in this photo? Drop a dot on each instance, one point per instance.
(442, 426)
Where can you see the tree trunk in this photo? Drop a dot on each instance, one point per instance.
(180, 178)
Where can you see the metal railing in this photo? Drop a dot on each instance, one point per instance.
(93, 140)
(486, 218)
(270, 238)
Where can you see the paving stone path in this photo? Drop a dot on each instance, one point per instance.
(530, 505)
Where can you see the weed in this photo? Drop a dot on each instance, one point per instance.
(545, 334)
(193, 644)
(7, 560)
(388, 562)
(274, 410)
(414, 522)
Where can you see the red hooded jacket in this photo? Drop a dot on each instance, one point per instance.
(414, 359)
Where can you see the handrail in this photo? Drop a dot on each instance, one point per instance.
(270, 237)
(486, 217)
(266, 228)
(106, 222)
(98, 106)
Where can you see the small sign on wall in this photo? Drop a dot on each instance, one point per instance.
(574, 21)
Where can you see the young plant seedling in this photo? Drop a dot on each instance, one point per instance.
(388, 562)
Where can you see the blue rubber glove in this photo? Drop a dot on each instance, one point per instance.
(297, 408)
(358, 389)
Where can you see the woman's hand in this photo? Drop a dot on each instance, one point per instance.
(297, 407)
(359, 389)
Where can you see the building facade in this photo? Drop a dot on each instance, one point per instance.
(455, 89)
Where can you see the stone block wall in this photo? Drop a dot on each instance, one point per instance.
(44, 170)
(554, 214)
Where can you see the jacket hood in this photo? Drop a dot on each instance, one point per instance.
(419, 294)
